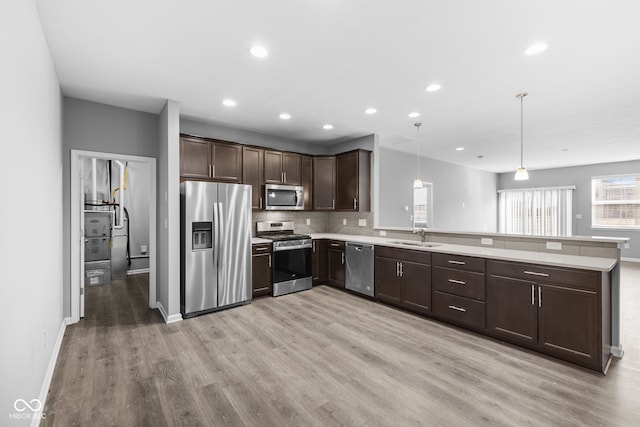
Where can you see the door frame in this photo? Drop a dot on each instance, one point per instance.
(77, 224)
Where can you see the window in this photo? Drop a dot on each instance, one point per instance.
(423, 206)
(536, 211)
(615, 201)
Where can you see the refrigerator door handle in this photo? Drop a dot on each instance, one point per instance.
(220, 227)
(214, 230)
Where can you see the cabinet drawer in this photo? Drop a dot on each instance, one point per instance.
(261, 248)
(421, 257)
(459, 309)
(335, 244)
(581, 279)
(459, 282)
(459, 262)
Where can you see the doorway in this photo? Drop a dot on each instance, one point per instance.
(79, 158)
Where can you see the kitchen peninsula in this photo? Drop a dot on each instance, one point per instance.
(561, 304)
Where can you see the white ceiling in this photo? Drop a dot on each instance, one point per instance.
(331, 59)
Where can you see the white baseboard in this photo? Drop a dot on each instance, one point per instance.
(168, 319)
(630, 259)
(48, 376)
(617, 351)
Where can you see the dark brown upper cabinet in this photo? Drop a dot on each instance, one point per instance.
(253, 173)
(353, 176)
(324, 179)
(210, 159)
(282, 168)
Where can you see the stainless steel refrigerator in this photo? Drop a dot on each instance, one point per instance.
(215, 257)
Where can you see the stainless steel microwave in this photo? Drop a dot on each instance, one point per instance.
(283, 197)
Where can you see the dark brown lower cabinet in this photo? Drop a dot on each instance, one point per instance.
(319, 261)
(403, 277)
(511, 310)
(262, 280)
(335, 264)
(568, 323)
(558, 311)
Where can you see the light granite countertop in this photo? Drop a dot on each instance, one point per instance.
(557, 260)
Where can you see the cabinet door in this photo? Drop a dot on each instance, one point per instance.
(353, 176)
(512, 311)
(335, 268)
(195, 158)
(324, 183)
(307, 182)
(227, 162)
(568, 324)
(416, 286)
(261, 275)
(292, 168)
(319, 262)
(252, 173)
(347, 181)
(388, 284)
(273, 167)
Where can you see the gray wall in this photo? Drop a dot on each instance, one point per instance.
(580, 176)
(97, 127)
(31, 215)
(168, 212)
(464, 199)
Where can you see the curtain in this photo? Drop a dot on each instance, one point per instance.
(536, 211)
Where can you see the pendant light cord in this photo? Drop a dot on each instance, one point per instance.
(521, 96)
(417, 125)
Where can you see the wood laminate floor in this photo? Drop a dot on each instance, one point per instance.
(322, 358)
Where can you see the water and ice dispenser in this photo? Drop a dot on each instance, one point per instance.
(201, 237)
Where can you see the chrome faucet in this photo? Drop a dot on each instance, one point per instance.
(422, 232)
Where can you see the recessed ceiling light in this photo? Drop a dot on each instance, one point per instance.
(433, 87)
(414, 114)
(327, 127)
(370, 111)
(534, 49)
(459, 148)
(285, 116)
(229, 103)
(259, 51)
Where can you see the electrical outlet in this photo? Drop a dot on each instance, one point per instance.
(556, 246)
(166, 223)
(486, 241)
(578, 216)
(362, 222)
(383, 233)
(308, 221)
(344, 221)
(143, 249)
(626, 246)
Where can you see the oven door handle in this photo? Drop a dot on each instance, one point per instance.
(291, 248)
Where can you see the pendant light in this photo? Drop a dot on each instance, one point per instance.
(521, 173)
(417, 183)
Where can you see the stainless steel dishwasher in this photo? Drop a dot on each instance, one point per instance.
(359, 268)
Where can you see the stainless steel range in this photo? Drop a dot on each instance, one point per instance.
(291, 256)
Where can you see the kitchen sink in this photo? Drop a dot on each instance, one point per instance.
(420, 244)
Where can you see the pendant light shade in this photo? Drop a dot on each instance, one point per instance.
(521, 173)
(417, 183)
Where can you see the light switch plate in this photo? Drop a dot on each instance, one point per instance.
(578, 216)
(308, 221)
(383, 233)
(362, 222)
(344, 221)
(556, 246)
(486, 241)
